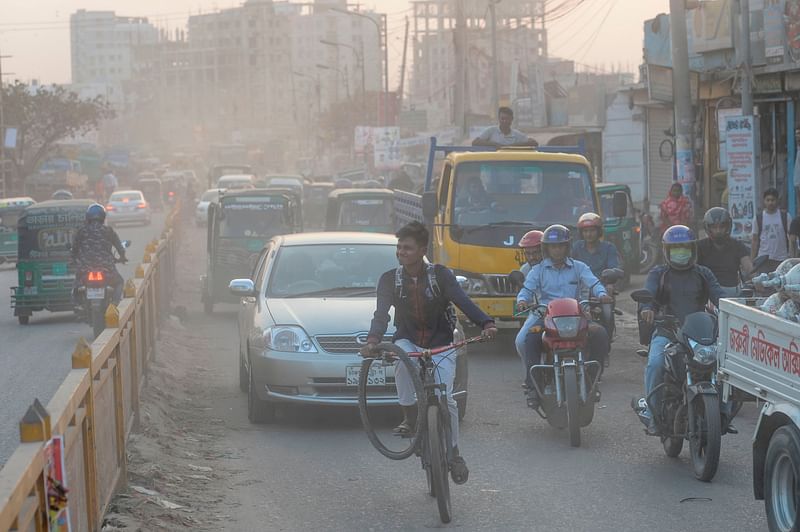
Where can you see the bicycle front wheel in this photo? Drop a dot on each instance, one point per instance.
(437, 447)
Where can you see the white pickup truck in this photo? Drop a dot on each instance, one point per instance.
(760, 355)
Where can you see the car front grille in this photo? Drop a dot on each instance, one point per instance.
(341, 345)
(501, 285)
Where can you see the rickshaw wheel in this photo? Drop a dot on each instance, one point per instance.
(23, 320)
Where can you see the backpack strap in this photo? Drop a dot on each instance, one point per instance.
(432, 282)
(398, 283)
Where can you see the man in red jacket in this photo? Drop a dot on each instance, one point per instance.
(676, 209)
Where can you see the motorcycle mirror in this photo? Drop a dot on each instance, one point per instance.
(516, 279)
(642, 296)
(611, 275)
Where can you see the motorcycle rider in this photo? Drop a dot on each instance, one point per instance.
(596, 253)
(557, 276)
(92, 249)
(426, 325)
(680, 287)
(531, 244)
(724, 256)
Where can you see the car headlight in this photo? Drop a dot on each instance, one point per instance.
(703, 354)
(288, 339)
(472, 285)
(567, 326)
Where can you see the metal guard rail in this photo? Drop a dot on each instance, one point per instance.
(96, 407)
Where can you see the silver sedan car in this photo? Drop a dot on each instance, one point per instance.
(128, 206)
(305, 314)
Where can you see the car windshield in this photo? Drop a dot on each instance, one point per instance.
(125, 196)
(365, 212)
(250, 219)
(532, 192)
(210, 195)
(343, 269)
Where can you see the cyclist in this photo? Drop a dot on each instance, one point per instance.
(592, 250)
(680, 287)
(558, 276)
(421, 295)
(721, 254)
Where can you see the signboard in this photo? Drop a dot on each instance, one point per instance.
(386, 148)
(659, 83)
(363, 138)
(713, 26)
(10, 138)
(722, 130)
(741, 138)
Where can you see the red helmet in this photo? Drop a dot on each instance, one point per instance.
(531, 239)
(590, 219)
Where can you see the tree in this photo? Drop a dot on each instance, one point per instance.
(45, 115)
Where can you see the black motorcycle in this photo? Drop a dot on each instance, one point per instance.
(94, 292)
(689, 406)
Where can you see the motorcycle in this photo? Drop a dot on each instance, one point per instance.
(95, 291)
(566, 383)
(689, 408)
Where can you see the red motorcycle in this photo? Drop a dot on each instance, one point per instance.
(566, 381)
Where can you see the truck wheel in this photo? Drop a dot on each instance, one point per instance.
(781, 476)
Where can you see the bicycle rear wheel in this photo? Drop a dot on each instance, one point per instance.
(437, 448)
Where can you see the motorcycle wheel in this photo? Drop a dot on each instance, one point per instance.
(648, 256)
(437, 447)
(706, 436)
(573, 408)
(672, 445)
(781, 472)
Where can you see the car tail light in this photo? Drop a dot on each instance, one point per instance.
(109, 207)
(141, 205)
(96, 276)
(171, 193)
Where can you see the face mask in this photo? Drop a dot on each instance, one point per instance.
(680, 256)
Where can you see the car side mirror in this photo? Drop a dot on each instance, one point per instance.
(429, 204)
(611, 275)
(516, 279)
(620, 204)
(242, 288)
(642, 296)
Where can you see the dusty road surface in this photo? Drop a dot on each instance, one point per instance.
(36, 357)
(198, 463)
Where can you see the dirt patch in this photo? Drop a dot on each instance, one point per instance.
(178, 467)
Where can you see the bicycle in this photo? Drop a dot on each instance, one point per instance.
(431, 438)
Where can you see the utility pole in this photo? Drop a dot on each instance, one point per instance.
(3, 174)
(493, 23)
(744, 40)
(403, 69)
(682, 99)
(459, 96)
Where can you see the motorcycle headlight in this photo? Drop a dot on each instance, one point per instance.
(288, 339)
(703, 354)
(567, 326)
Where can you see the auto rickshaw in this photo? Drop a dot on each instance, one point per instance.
(622, 232)
(238, 227)
(44, 267)
(361, 209)
(151, 188)
(296, 206)
(315, 202)
(10, 211)
(215, 172)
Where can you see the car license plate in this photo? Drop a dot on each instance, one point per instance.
(95, 293)
(376, 377)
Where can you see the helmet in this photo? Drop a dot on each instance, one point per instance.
(588, 220)
(555, 234)
(717, 216)
(679, 236)
(61, 195)
(96, 213)
(531, 239)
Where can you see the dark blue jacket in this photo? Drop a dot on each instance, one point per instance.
(605, 257)
(681, 292)
(420, 316)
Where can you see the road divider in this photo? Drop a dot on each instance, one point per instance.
(72, 454)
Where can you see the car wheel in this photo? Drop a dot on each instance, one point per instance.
(244, 383)
(258, 411)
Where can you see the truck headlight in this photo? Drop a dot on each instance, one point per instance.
(472, 284)
(288, 339)
(703, 354)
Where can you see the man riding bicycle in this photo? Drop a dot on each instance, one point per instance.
(558, 276)
(421, 295)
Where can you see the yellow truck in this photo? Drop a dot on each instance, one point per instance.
(486, 199)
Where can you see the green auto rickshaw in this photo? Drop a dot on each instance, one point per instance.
(10, 211)
(361, 209)
(239, 225)
(315, 201)
(622, 232)
(44, 267)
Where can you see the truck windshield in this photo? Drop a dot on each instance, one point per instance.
(537, 193)
(365, 213)
(249, 220)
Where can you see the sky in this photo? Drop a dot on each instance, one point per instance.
(604, 34)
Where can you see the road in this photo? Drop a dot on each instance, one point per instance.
(315, 470)
(36, 358)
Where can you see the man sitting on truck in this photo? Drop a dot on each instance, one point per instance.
(503, 134)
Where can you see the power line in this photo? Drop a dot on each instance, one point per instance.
(584, 48)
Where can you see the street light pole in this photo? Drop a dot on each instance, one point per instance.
(493, 23)
(359, 60)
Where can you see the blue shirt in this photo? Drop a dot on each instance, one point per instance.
(549, 282)
(604, 257)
